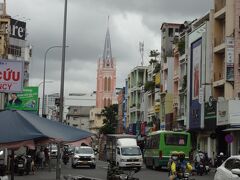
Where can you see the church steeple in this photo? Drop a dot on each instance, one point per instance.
(107, 52)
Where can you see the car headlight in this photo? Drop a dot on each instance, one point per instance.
(140, 159)
(93, 158)
(122, 160)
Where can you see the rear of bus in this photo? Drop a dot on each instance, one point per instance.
(173, 141)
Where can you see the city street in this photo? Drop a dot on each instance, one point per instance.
(100, 172)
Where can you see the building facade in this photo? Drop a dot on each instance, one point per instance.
(14, 45)
(168, 32)
(79, 116)
(136, 80)
(226, 86)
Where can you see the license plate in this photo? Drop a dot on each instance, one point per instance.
(20, 165)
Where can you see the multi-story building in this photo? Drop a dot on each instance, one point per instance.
(181, 55)
(79, 116)
(96, 120)
(14, 44)
(136, 79)
(226, 77)
(201, 115)
(121, 111)
(169, 31)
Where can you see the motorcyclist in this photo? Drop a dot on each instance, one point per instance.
(220, 159)
(179, 166)
(173, 161)
(199, 159)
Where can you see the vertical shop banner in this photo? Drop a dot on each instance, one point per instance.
(11, 76)
(196, 62)
(195, 97)
(229, 58)
(25, 101)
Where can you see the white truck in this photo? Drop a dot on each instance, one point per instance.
(122, 150)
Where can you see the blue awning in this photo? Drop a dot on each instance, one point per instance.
(16, 126)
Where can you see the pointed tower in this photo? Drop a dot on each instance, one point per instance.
(106, 75)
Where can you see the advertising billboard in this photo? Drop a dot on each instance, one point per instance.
(196, 60)
(11, 76)
(17, 29)
(195, 69)
(25, 101)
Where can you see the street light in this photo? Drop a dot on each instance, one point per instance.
(44, 75)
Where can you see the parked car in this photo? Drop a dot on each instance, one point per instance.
(230, 169)
(83, 156)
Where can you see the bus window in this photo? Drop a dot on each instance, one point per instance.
(176, 139)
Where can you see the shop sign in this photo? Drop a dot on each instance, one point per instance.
(11, 76)
(229, 138)
(17, 29)
(222, 113)
(25, 101)
(229, 58)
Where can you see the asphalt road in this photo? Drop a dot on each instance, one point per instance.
(100, 172)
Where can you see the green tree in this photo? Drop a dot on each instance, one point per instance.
(110, 121)
(153, 55)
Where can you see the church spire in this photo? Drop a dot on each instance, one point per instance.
(107, 53)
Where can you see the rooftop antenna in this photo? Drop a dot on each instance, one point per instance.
(141, 50)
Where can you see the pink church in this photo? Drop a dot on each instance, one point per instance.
(106, 76)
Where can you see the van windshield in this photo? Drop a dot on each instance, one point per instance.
(84, 151)
(131, 151)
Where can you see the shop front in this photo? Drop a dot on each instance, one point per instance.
(228, 119)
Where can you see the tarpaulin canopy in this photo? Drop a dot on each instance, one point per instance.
(17, 126)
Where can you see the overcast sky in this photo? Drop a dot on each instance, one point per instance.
(131, 21)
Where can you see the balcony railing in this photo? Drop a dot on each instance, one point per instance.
(218, 76)
(219, 5)
(218, 41)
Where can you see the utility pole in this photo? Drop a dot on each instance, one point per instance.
(58, 169)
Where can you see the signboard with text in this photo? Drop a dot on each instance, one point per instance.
(11, 76)
(26, 101)
(229, 58)
(17, 29)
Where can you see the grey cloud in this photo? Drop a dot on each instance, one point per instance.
(86, 28)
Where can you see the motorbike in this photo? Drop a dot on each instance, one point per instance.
(20, 164)
(183, 176)
(65, 158)
(23, 164)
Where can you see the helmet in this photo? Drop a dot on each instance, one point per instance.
(174, 155)
(181, 156)
(221, 154)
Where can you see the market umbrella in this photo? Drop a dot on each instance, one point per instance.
(17, 126)
(20, 127)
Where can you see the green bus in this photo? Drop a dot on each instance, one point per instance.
(160, 144)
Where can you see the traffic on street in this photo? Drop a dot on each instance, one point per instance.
(100, 173)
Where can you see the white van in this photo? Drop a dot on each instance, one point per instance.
(128, 154)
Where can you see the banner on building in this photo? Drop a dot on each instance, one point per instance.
(26, 101)
(195, 97)
(17, 29)
(229, 58)
(11, 76)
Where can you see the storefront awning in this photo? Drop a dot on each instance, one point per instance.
(232, 129)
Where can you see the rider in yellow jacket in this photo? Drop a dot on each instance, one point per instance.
(180, 162)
